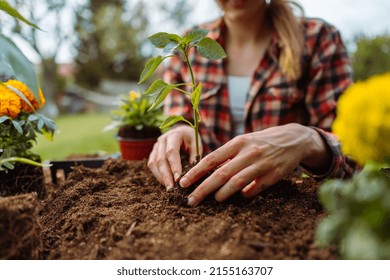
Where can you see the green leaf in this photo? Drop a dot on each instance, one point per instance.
(210, 49)
(4, 118)
(17, 126)
(195, 35)
(14, 13)
(156, 87)
(174, 38)
(161, 39)
(195, 97)
(32, 117)
(161, 96)
(170, 48)
(40, 124)
(150, 67)
(21, 65)
(47, 134)
(143, 106)
(171, 120)
(8, 165)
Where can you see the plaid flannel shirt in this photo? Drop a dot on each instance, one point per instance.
(273, 99)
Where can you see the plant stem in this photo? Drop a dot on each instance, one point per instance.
(24, 160)
(196, 119)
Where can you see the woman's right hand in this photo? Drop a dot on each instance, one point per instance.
(165, 161)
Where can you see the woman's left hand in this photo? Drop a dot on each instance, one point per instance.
(252, 162)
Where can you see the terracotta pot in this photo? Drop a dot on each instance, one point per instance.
(135, 149)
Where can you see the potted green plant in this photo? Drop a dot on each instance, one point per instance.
(137, 124)
(20, 98)
(359, 209)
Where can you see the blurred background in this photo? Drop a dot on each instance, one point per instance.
(92, 51)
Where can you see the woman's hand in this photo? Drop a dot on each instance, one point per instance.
(164, 160)
(252, 162)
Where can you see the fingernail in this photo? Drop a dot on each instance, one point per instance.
(176, 176)
(191, 201)
(184, 182)
(168, 187)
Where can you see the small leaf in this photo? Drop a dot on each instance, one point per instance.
(8, 165)
(40, 124)
(195, 97)
(156, 87)
(32, 117)
(195, 35)
(174, 38)
(171, 120)
(161, 96)
(4, 118)
(14, 13)
(17, 126)
(170, 48)
(143, 106)
(48, 135)
(150, 67)
(159, 40)
(210, 49)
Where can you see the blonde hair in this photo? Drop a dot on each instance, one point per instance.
(290, 32)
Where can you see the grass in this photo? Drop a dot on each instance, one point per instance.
(78, 134)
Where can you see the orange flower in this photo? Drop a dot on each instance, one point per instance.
(28, 94)
(10, 103)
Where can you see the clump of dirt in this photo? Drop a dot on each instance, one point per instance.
(22, 179)
(20, 231)
(119, 211)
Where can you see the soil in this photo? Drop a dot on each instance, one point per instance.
(22, 179)
(119, 211)
(145, 132)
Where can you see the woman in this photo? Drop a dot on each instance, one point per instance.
(266, 110)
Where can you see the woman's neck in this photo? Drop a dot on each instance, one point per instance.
(247, 29)
(246, 43)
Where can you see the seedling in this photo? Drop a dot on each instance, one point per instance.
(174, 45)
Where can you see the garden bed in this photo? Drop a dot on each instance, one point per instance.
(119, 211)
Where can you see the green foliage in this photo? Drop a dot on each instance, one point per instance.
(17, 137)
(372, 56)
(359, 220)
(6, 7)
(20, 67)
(174, 45)
(136, 111)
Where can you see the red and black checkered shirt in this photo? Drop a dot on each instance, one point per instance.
(273, 99)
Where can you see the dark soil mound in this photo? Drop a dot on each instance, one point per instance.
(120, 211)
(20, 231)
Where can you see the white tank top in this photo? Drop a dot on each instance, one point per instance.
(238, 88)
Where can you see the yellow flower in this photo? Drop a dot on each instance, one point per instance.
(363, 120)
(28, 94)
(134, 95)
(10, 103)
